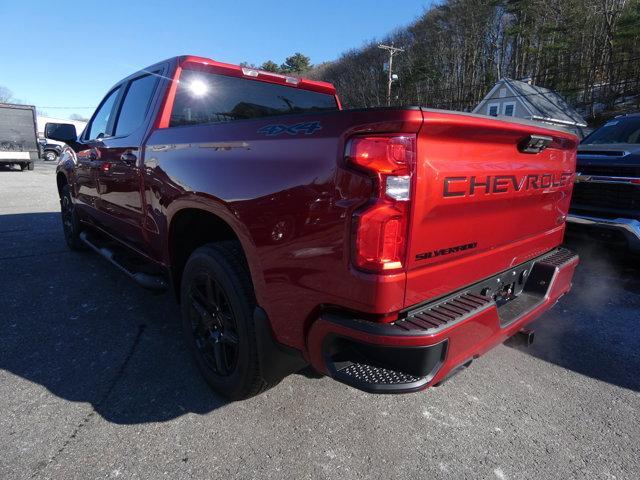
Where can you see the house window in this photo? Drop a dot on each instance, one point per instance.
(509, 109)
(493, 109)
(503, 92)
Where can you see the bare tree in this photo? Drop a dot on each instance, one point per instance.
(78, 117)
(588, 50)
(6, 95)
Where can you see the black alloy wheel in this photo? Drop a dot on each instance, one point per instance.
(218, 305)
(213, 325)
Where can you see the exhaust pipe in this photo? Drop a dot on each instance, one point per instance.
(523, 338)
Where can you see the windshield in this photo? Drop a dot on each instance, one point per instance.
(623, 130)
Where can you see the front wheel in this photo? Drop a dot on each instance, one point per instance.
(217, 303)
(50, 156)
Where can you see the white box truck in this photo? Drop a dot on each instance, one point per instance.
(18, 135)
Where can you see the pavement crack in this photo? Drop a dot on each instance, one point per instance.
(102, 400)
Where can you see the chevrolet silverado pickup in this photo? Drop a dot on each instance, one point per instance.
(606, 197)
(385, 247)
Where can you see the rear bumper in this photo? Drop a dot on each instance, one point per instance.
(432, 341)
(628, 227)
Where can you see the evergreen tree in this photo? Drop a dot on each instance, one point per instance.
(270, 66)
(296, 63)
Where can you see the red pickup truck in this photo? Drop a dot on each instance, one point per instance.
(386, 247)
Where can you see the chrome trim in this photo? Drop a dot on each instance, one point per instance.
(581, 178)
(628, 226)
(593, 155)
(566, 123)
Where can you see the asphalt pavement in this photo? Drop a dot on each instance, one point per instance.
(95, 382)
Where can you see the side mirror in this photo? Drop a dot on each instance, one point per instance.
(63, 132)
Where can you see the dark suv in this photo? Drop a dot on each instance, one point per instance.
(50, 151)
(606, 196)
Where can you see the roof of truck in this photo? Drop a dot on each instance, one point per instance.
(290, 80)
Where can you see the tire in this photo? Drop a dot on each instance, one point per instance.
(50, 156)
(217, 304)
(30, 166)
(23, 167)
(70, 222)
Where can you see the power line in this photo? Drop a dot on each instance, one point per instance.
(66, 108)
(433, 92)
(458, 104)
(539, 75)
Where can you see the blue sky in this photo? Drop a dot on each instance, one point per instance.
(68, 53)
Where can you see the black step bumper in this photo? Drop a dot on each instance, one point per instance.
(430, 342)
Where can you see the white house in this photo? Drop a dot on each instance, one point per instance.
(516, 98)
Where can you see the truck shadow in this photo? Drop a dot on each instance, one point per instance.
(593, 329)
(73, 324)
(7, 168)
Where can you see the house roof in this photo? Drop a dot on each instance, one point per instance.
(545, 104)
(542, 103)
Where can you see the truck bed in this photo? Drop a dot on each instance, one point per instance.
(296, 184)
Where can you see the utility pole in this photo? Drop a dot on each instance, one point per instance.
(392, 51)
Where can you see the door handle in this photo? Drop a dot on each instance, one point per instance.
(129, 158)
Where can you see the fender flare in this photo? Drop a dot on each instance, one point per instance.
(221, 210)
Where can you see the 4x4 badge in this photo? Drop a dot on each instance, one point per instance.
(308, 128)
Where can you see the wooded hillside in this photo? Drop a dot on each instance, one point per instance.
(588, 50)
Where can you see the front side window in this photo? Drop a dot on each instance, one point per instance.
(136, 103)
(100, 122)
(618, 130)
(204, 97)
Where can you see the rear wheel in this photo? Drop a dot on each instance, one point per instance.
(70, 222)
(30, 166)
(217, 303)
(23, 166)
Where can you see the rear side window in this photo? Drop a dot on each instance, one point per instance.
(100, 122)
(204, 97)
(136, 103)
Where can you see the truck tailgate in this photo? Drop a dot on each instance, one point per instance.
(481, 204)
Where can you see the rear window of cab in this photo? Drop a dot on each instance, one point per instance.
(204, 97)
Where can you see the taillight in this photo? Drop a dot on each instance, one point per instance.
(380, 243)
